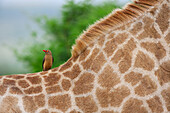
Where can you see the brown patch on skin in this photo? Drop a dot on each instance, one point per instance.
(52, 79)
(91, 45)
(53, 89)
(74, 58)
(34, 80)
(75, 71)
(111, 45)
(111, 36)
(87, 64)
(101, 40)
(16, 77)
(86, 104)
(8, 76)
(98, 62)
(134, 106)
(55, 69)
(153, 10)
(144, 61)
(29, 104)
(44, 72)
(133, 78)
(44, 111)
(118, 95)
(53, 74)
(29, 74)
(130, 46)
(149, 29)
(39, 100)
(8, 82)
(146, 87)
(10, 105)
(163, 73)
(15, 90)
(128, 25)
(114, 98)
(66, 84)
(103, 97)
(147, 22)
(167, 38)
(118, 56)
(107, 78)
(61, 102)
(125, 56)
(166, 95)
(3, 90)
(108, 112)
(84, 84)
(155, 48)
(74, 111)
(33, 90)
(136, 28)
(155, 105)
(163, 18)
(67, 65)
(166, 66)
(84, 55)
(23, 83)
(149, 32)
(125, 64)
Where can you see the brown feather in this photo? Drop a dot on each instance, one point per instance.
(48, 61)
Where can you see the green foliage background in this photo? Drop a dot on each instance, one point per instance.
(60, 34)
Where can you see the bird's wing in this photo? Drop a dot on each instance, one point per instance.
(43, 62)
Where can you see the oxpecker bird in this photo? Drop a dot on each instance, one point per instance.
(48, 60)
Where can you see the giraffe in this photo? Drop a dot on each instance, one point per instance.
(121, 64)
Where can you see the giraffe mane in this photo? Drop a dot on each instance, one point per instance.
(116, 19)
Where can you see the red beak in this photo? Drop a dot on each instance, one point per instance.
(44, 50)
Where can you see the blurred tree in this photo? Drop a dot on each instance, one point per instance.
(76, 17)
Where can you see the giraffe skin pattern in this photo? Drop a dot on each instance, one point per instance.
(125, 70)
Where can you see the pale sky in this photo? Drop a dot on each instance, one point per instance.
(16, 24)
(42, 3)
